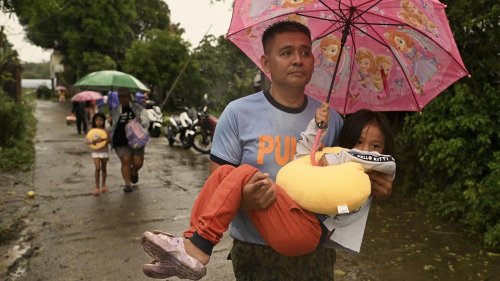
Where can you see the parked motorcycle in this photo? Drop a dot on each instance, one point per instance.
(204, 128)
(155, 118)
(181, 127)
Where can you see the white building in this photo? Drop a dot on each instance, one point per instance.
(35, 83)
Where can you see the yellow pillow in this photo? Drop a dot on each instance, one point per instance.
(94, 134)
(325, 190)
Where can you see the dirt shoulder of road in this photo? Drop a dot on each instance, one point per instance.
(16, 215)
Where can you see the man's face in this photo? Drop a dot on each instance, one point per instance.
(289, 59)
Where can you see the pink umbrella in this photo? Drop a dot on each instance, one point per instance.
(86, 96)
(384, 55)
(60, 88)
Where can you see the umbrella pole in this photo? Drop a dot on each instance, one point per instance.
(315, 146)
(345, 33)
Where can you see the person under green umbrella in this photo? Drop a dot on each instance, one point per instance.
(131, 159)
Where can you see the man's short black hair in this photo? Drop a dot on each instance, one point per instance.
(280, 27)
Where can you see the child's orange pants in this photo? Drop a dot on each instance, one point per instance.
(285, 226)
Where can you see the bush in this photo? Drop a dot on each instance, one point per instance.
(449, 154)
(17, 126)
(43, 92)
(450, 158)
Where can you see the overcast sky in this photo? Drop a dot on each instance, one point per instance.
(195, 16)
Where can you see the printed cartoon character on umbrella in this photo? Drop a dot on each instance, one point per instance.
(369, 54)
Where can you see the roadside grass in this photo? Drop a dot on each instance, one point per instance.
(9, 231)
(18, 129)
(17, 156)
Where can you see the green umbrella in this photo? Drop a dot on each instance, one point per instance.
(110, 80)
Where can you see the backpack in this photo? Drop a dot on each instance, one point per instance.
(137, 136)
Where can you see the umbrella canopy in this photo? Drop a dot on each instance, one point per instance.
(60, 88)
(385, 55)
(86, 96)
(110, 80)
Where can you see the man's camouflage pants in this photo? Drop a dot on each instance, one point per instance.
(261, 263)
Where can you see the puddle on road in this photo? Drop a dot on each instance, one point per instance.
(12, 256)
(77, 152)
(401, 242)
(180, 217)
(55, 140)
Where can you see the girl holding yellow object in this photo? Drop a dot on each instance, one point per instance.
(97, 139)
(338, 191)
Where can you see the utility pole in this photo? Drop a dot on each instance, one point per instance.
(164, 102)
(175, 81)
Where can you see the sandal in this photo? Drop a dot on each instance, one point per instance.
(134, 178)
(104, 189)
(160, 270)
(127, 189)
(168, 249)
(96, 191)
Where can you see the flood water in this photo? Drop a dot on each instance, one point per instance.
(403, 242)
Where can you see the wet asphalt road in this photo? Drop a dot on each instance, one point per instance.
(82, 237)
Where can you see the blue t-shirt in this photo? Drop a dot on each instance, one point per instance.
(257, 130)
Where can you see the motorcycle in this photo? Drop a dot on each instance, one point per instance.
(204, 128)
(155, 118)
(182, 126)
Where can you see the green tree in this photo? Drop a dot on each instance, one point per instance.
(86, 31)
(7, 6)
(16, 126)
(96, 61)
(79, 28)
(158, 59)
(36, 71)
(226, 72)
(151, 15)
(9, 65)
(7, 56)
(450, 153)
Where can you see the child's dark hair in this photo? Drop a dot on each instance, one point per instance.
(354, 124)
(98, 115)
(280, 27)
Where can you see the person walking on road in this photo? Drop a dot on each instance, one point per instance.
(265, 141)
(131, 159)
(78, 110)
(99, 153)
(61, 93)
(89, 111)
(113, 103)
